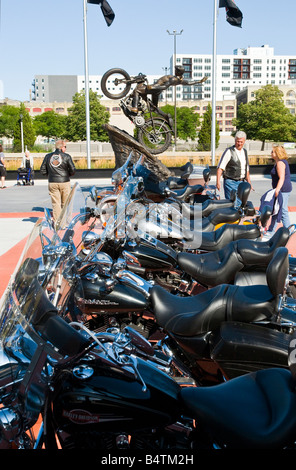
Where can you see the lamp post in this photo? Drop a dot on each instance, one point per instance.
(175, 34)
(22, 132)
(86, 80)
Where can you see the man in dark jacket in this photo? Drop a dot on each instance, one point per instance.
(58, 166)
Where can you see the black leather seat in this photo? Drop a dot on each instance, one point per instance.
(221, 266)
(212, 241)
(184, 193)
(256, 410)
(190, 316)
(207, 207)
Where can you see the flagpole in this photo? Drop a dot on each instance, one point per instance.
(86, 80)
(214, 63)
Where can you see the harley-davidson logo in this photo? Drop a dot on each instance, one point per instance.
(96, 301)
(81, 417)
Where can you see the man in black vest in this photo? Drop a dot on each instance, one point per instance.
(234, 166)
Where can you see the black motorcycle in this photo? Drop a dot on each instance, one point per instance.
(200, 333)
(65, 387)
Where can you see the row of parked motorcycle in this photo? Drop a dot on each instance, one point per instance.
(150, 317)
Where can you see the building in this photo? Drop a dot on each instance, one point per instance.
(253, 66)
(50, 88)
(289, 96)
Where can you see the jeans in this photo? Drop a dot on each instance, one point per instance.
(229, 185)
(285, 215)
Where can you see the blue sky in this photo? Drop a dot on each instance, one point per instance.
(46, 36)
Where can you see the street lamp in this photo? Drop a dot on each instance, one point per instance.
(22, 132)
(174, 33)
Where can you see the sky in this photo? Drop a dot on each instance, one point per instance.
(46, 37)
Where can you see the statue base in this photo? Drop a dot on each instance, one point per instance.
(123, 144)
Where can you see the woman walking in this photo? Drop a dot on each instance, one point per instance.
(281, 182)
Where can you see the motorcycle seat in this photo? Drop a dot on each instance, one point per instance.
(222, 266)
(228, 215)
(256, 410)
(206, 207)
(191, 316)
(176, 183)
(184, 193)
(214, 240)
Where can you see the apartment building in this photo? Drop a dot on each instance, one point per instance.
(253, 66)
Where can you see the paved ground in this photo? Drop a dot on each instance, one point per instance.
(20, 206)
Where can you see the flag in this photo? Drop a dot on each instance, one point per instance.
(107, 11)
(233, 14)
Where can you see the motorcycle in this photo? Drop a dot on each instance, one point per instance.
(154, 127)
(65, 387)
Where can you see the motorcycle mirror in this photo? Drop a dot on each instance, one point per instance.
(89, 238)
(139, 341)
(93, 193)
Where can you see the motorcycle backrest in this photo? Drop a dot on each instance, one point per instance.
(187, 170)
(207, 175)
(265, 215)
(277, 271)
(243, 192)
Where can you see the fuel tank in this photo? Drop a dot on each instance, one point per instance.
(101, 398)
(152, 253)
(120, 298)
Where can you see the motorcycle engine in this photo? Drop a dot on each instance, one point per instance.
(139, 121)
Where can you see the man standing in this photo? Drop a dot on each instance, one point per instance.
(58, 166)
(234, 166)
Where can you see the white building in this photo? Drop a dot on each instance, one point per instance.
(253, 66)
(256, 66)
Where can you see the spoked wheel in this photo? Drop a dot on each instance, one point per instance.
(115, 83)
(155, 135)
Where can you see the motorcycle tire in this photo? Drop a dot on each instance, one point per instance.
(155, 135)
(121, 89)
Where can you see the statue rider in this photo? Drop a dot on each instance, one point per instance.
(142, 89)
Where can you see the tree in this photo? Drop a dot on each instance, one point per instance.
(9, 116)
(76, 120)
(187, 121)
(28, 130)
(205, 133)
(266, 118)
(50, 124)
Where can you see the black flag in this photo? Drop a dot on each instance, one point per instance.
(108, 13)
(233, 14)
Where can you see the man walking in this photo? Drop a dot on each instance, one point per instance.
(234, 166)
(58, 166)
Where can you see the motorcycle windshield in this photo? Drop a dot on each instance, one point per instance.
(120, 216)
(120, 175)
(47, 264)
(21, 298)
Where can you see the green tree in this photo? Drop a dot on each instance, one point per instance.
(266, 118)
(50, 124)
(10, 126)
(9, 116)
(187, 121)
(205, 133)
(76, 120)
